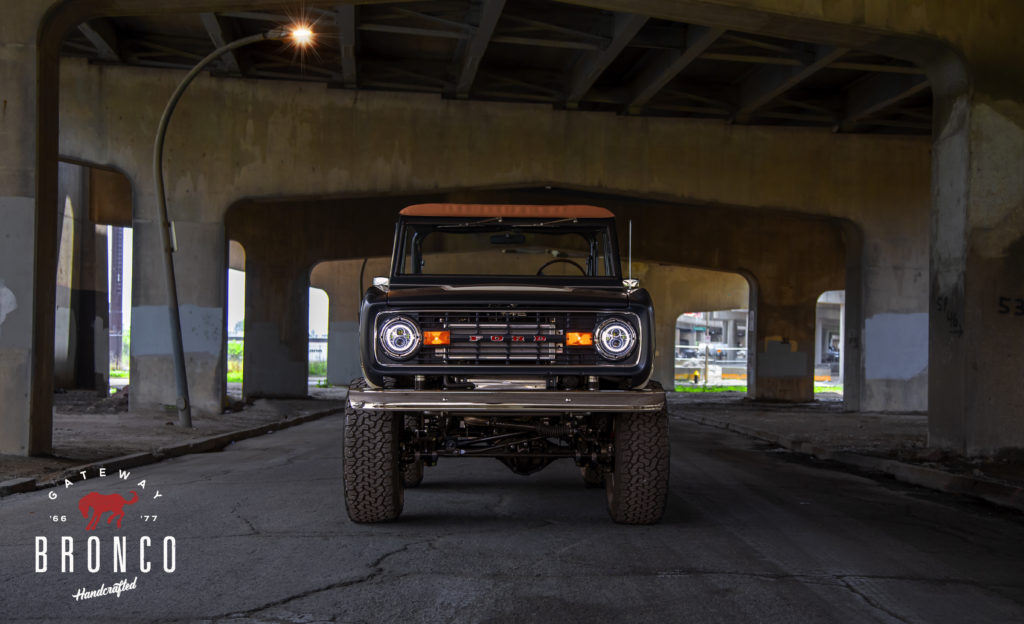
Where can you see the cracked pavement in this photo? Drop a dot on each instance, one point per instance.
(751, 534)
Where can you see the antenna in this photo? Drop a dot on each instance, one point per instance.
(630, 249)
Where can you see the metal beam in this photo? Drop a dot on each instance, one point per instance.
(222, 34)
(752, 58)
(473, 51)
(668, 65)
(430, 18)
(876, 94)
(345, 19)
(532, 25)
(590, 66)
(769, 83)
(878, 67)
(546, 43)
(409, 30)
(103, 37)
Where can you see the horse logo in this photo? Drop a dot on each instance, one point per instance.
(100, 504)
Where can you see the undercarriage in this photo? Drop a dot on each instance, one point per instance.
(387, 445)
(525, 444)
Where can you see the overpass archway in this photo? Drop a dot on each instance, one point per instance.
(770, 248)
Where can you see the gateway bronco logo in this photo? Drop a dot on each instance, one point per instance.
(98, 504)
(108, 511)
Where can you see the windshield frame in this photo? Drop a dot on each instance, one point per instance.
(613, 265)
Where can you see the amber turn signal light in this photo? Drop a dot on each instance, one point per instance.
(579, 339)
(436, 338)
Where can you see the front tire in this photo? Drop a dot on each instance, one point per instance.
(371, 465)
(637, 487)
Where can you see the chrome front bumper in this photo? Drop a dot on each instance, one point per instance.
(508, 400)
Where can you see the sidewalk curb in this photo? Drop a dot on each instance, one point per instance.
(1000, 494)
(202, 445)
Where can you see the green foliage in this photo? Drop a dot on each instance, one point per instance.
(318, 369)
(118, 374)
(699, 388)
(235, 349)
(711, 388)
(234, 376)
(838, 389)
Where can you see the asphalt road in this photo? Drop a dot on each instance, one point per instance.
(752, 535)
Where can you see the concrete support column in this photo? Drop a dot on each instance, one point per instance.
(201, 271)
(80, 333)
(818, 339)
(783, 369)
(18, 434)
(676, 290)
(276, 359)
(16, 236)
(842, 339)
(71, 208)
(664, 349)
(115, 296)
(341, 281)
(976, 320)
(92, 363)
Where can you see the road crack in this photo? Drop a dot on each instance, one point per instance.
(377, 570)
(868, 600)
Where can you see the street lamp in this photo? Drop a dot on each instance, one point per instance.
(302, 35)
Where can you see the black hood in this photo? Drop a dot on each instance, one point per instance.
(510, 295)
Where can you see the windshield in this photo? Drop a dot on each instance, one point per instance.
(579, 248)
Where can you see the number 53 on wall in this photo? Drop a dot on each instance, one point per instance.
(1010, 305)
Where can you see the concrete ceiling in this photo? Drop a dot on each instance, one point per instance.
(539, 51)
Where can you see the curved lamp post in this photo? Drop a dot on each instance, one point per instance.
(302, 35)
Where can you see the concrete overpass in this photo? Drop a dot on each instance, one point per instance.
(798, 178)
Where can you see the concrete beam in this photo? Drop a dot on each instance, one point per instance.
(276, 354)
(221, 33)
(103, 37)
(474, 48)
(345, 19)
(769, 83)
(590, 66)
(341, 280)
(667, 65)
(876, 94)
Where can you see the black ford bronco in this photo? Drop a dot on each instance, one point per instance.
(506, 332)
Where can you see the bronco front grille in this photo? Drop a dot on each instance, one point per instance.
(506, 338)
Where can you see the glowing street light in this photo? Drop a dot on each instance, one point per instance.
(302, 35)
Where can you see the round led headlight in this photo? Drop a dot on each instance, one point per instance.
(400, 337)
(615, 338)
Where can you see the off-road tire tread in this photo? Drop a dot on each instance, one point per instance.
(638, 486)
(370, 465)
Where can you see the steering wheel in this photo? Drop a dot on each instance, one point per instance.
(540, 271)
